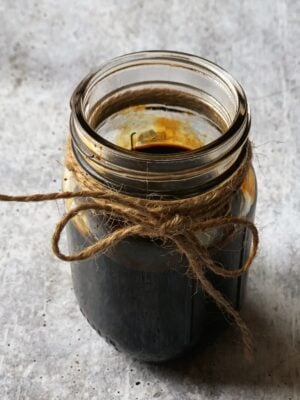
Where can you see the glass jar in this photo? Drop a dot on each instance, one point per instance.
(153, 125)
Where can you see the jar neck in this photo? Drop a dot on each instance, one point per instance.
(142, 79)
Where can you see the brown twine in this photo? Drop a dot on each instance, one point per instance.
(176, 221)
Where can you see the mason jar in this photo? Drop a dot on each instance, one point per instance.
(158, 125)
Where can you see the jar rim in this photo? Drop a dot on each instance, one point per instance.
(185, 60)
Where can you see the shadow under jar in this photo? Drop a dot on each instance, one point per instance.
(161, 125)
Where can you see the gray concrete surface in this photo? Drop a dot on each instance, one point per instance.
(47, 349)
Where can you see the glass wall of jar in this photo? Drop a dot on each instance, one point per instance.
(157, 125)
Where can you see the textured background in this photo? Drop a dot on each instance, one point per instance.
(47, 349)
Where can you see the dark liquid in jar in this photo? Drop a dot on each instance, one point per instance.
(161, 149)
(139, 297)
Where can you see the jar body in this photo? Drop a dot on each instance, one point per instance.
(139, 296)
(159, 126)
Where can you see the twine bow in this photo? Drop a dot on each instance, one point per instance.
(177, 221)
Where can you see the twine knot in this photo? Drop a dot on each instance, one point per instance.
(175, 225)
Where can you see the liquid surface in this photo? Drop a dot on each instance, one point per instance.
(161, 149)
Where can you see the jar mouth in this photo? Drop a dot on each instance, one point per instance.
(188, 61)
(191, 79)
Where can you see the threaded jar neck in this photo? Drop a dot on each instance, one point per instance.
(159, 99)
